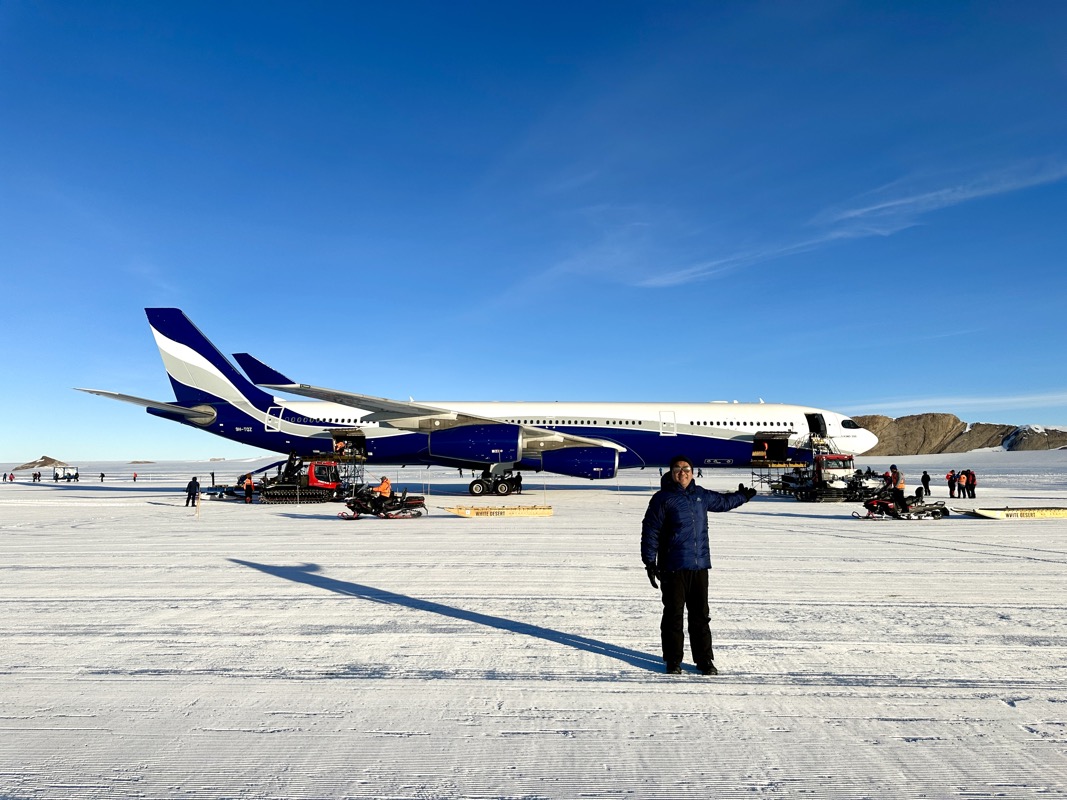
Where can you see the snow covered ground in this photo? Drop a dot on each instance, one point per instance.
(278, 651)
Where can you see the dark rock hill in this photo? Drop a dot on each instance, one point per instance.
(43, 461)
(921, 434)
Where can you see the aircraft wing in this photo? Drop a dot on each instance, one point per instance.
(378, 408)
(192, 414)
(409, 415)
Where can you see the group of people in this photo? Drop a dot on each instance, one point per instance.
(961, 483)
(11, 478)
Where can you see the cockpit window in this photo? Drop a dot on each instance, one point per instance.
(847, 423)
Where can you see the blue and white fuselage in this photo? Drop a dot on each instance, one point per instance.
(586, 439)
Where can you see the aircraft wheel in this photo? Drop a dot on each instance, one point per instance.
(478, 487)
(503, 488)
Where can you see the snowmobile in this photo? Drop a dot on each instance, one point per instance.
(882, 506)
(364, 500)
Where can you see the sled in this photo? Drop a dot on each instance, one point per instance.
(501, 511)
(1015, 513)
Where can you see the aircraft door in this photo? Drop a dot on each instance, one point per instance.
(816, 424)
(667, 424)
(273, 420)
(770, 446)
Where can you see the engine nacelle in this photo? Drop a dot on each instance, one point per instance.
(582, 462)
(488, 444)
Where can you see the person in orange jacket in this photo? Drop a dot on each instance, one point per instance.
(897, 478)
(384, 491)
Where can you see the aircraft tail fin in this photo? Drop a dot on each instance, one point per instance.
(198, 372)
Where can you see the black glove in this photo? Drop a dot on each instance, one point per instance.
(653, 573)
(747, 492)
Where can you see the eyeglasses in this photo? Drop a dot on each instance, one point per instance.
(681, 469)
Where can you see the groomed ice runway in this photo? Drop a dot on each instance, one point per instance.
(280, 652)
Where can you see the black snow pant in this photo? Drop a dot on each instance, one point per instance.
(686, 590)
(900, 500)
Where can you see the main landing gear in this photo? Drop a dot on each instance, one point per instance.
(500, 485)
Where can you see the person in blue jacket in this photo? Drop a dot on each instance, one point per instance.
(675, 549)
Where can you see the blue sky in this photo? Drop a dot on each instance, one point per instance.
(856, 206)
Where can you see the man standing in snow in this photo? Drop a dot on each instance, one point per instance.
(897, 479)
(675, 549)
(192, 492)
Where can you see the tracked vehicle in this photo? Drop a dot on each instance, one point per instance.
(297, 482)
(832, 477)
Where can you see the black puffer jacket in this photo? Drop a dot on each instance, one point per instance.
(674, 533)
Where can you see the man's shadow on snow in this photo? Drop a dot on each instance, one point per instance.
(309, 574)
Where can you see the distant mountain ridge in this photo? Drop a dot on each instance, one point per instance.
(924, 434)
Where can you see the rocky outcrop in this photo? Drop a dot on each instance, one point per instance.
(43, 461)
(1035, 437)
(921, 434)
(918, 433)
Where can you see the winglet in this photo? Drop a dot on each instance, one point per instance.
(259, 373)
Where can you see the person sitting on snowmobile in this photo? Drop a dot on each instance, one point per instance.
(384, 491)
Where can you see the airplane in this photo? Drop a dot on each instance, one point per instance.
(579, 439)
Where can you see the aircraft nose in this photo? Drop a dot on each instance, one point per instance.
(865, 441)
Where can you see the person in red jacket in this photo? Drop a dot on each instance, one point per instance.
(950, 479)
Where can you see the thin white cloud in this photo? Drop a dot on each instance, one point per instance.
(895, 211)
(720, 266)
(882, 212)
(968, 403)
